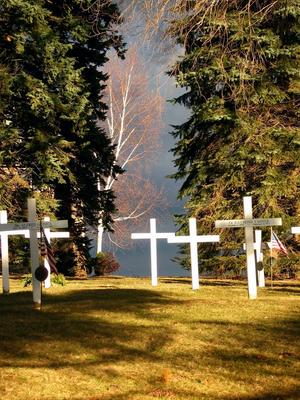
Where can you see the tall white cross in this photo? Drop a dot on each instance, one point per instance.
(4, 249)
(296, 230)
(248, 223)
(153, 236)
(259, 258)
(33, 226)
(194, 239)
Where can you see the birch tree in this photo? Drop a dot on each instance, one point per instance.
(133, 125)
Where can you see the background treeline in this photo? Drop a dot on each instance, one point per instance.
(240, 69)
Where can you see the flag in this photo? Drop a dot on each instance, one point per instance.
(277, 245)
(47, 252)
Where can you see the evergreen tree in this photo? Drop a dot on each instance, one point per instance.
(50, 65)
(241, 71)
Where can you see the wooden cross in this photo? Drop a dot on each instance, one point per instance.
(4, 249)
(194, 239)
(33, 226)
(248, 223)
(153, 236)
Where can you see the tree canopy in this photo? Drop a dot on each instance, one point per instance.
(241, 72)
(51, 88)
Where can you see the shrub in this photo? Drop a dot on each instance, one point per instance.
(58, 279)
(55, 280)
(224, 266)
(104, 263)
(283, 267)
(26, 280)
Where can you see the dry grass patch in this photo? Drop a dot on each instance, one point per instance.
(118, 338)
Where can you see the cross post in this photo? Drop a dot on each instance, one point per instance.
(193, 239)
(153, 236)
(4, 254)
(251, 267)
(258, 257)
(34, 253)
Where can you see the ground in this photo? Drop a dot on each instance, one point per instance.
(118, 338)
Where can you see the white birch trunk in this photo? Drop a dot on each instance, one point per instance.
(100, 238)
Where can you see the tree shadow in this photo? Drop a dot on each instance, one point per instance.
(204, 281)
(164, 393)
(290, 290)
(285, 287)
(182, 281)
(113, 326)
(284, 395)
(76, 316)
(219, 282)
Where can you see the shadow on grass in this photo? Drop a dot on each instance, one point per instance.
(99, 328)
(290, 290)
(183, 281)
(219, 282)
(163, 393)
(268, 395)
(205, 281)
(284, 287)
(81, 321)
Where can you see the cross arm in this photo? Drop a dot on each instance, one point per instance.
(198, 239)
(140, 236)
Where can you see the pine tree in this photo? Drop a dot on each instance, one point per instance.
(51, 55)
(241, 71)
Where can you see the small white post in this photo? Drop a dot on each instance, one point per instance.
(153, 250)
(47, 282)
(296, 230)
(194, 253)
(153, 236)
(4, 254)
(259, 258)
(193, 239)
(34, 253)
(251, 270)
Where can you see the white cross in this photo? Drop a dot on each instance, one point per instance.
(153, 236)
(259, 257)
(194, 239)
(4, 249)
(296, 230)
(248, 223)
(33, 226)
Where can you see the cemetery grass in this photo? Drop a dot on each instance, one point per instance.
(118, 338)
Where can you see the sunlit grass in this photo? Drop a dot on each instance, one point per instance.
(119, 338)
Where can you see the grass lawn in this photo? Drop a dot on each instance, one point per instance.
(118, 338)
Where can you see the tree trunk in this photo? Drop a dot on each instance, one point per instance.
(99, 238)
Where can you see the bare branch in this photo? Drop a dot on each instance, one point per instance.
(134, 125)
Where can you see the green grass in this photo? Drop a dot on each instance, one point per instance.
(118, 338)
